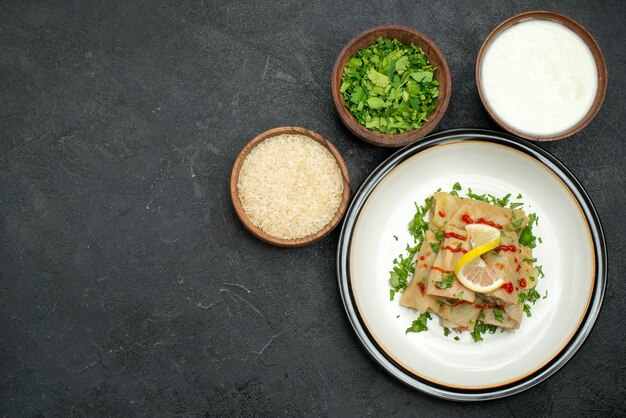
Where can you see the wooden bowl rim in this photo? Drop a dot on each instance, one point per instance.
(243, 217)
(586, 37)
(392, 140)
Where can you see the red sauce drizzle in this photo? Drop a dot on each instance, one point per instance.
(523, 283)
(425, 265)
(454, 235)
(442, 214)
(519, 267)
(455, 250)
(441, 270)
(422, 257)
(422, 288)
(512, 248)
(508, 287)
(466, 218)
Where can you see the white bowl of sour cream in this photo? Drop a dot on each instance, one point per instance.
(541, 76)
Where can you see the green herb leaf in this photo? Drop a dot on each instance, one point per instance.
(447, 279)
(499, 314)
(420, 324)
(455, 189)
(390, 87)
(540, 271)
(446, 331)
(456, 338)
(516, 205)
(439, 235)
(481, 197)
(533, 296)
(527, 310)
(517, 223)
(435, 246)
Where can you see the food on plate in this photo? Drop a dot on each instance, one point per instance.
(290, 186)
(539, 77)
(390, 87)
(471, 263)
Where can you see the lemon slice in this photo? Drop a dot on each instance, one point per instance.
(471, 270)
(476, 275)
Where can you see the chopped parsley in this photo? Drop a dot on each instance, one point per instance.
(446, 281)
(456, 338)
(533, 296)
(527, 310)
(481, 197)
(516, 205)
(435, 246)
(481, 328)
(517, 223)
(455, 189)
(439, 235)
(540, 271)
(390, 87)
(446, 331)
(420, 324)
(499, 314)
(395, 237)
(545, 295)
(403, 265)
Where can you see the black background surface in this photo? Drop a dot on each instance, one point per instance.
(127, 284)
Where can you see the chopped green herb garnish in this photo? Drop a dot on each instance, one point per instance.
(481, 197)
(540, 271)
(456, 338)
(540, 240)
(403, 266)
(390, 87)
(481, 328)
(499, 314)
(545, 295)
(517, 223)
(519, 196)
(527, 310)
(533, 296)
(455, 189)
(447, 279)
(527, 238)
(516, 205)
(459, 245)
(521, 297)
(392, 294)
(435, 246)
(500, 202)
(395, 237)
(529, 260)
(446, 331)
(420, 324)
(439, 235)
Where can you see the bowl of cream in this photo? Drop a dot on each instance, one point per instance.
(541, 76)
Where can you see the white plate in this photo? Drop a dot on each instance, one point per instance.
(572, 254)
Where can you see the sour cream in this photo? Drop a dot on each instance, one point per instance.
(539, 77)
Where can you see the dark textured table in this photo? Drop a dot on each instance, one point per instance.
(127, 284)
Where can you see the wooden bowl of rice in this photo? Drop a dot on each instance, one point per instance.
(289, 186)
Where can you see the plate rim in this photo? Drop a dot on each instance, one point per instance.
(597, 238)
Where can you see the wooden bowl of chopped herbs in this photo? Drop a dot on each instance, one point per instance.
(391, 85)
